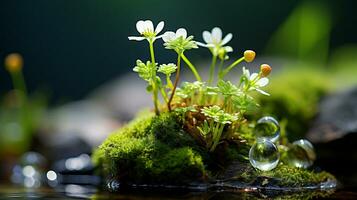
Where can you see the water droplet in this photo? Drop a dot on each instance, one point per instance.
(268, 128)
(264, 155)
(301, 154)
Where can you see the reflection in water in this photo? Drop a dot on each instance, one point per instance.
(73, 191)
(29, 171)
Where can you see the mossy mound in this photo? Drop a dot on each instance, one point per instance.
(152, 150)
(157, 150)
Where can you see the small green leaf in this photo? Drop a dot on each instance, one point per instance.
(167, 69)
(145, 71)
(226, 88)
(149, 88)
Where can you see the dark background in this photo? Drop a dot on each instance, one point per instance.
(71, 47)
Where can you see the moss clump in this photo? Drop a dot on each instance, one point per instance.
(289, 176)
(151, 149)
(156, 150)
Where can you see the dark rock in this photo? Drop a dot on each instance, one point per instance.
(337, 117)
(334, 134)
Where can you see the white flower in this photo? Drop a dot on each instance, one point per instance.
(147, 31)
(179, 41)
(215, 42)
(215, 37)
(256, 82)
(170, 36)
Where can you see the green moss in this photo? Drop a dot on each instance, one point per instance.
(289, 176)
(151, 148)
(155, 149)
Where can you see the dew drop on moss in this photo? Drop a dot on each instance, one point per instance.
(264, 155)
(267, 128)
(301, 154)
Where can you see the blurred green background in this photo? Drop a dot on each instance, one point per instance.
(71, 47)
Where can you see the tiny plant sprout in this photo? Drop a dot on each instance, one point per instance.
(147, 31)
(249, 55)
(13, 62)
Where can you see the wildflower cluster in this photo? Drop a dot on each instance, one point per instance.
(222, 105)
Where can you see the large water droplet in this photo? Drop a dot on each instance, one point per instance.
(264, 155)
(267, 128)
(301, 154)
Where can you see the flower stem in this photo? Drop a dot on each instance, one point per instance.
(211, 70)
(192, 67)
(225, 71)
(163, 93)
(155, 87)
(19, 85)
(220, 69)
(169, 83)
(176, 81)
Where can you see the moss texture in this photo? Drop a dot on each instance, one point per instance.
(151, 150)
(287, 176)
(155, 149)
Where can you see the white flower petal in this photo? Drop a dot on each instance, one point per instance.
(181, 32)
(201, 44)
(168, 36)
(246, 72)
(226, 39)
(262, 92)
(207, 37)
(253, 76)
(228, 49)
(159, 27)
(149, 26)
(216, 35)
(140, 26)
(160, 36)
(136, 38)
(262, 82)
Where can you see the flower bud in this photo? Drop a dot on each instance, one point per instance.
(249, 55)
(265, 69)
(13, 62)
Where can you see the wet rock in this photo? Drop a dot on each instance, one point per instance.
(334, 133)
(337, 117)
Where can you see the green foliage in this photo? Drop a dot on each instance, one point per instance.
(167, 69)
(181, 44)
(145, 71)
(305, 35)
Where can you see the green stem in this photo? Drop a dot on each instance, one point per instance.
(220, 69)
(211, 70)
(176, 81)
(192, 67)
(219, 130)
(163, 93)
(155, 87)
(19, 83)
(21, 92)
(168, 82)
(230, 67)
